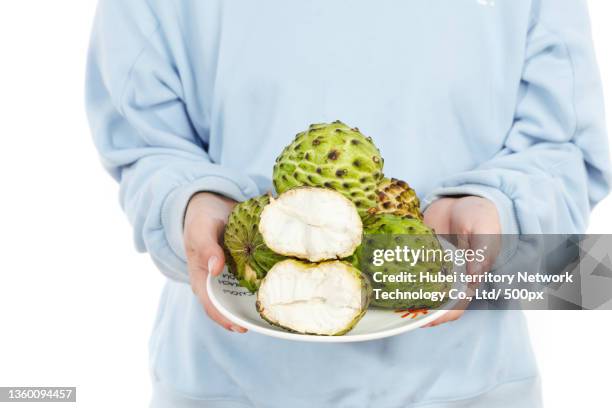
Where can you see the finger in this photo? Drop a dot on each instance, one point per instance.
(467, 240)
(451, 315)
(199, 286)
(215, 315)
(489, 245)
(437, 215)
(478, 218)
(215, 260)
(457, 311)
(205, 249)
(199, 264)
(448, 317)
(221, 320)
(464, 243)
(203, 258)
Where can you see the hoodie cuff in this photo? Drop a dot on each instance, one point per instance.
(175, 205)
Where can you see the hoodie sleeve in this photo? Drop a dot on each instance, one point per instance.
(143, 132)
(554, 166)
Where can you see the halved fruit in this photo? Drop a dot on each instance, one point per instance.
(311, 223)
(328, 298)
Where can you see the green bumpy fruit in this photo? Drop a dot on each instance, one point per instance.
(387, 231)
(396, 197)
(247, 256)
(332, 156)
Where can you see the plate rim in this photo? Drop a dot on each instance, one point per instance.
(347, 338)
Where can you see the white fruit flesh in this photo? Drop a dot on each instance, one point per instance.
(311, 223)
(326, 298)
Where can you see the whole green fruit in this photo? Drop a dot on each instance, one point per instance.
(387, 231)
(335, 156)
(395, 196)
(247, 256)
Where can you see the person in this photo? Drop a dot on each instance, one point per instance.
(491, 110)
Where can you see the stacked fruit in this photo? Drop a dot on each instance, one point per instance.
(302, 252)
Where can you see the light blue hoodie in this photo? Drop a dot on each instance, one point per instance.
(496, 98)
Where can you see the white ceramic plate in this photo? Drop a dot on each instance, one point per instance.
(238, 305)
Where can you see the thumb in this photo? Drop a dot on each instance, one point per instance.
(211, 258)
(216, 261)
(208, 258)
(209, 255)
(204, 252)
(214, 249)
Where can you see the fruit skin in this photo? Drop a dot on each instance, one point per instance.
(247, 256)
(367, 298)
(387, 231)
(332, 155)
(396, 197)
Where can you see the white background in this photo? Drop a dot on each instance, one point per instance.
(77, 302)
